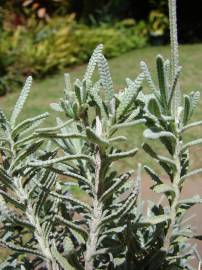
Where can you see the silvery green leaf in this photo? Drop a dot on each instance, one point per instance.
(21, 249)
(117, 184)
(192, 143)
(52, 135)
(195, 97)
(120, 155)
(6, 179)
(162, 188)
(129, 95)
(73, 226)
(3, 120)
(26, 124)
(93, 62)
(78, 91)
(148, 77)
(191, 125)
(156, 219)
(162, 81)
(27, 152)
(187, 108)
(128, 124)
(70, 199)
(72, 175)
(189, 202)
(106, 79)
(56, 107)
(153, 174)
(174, 85)
(149, 134)
(60, 125)
(68, 108)
(40, 163)
(147, 148)
(125, 208)
(21, 100)
(118, 139)
(133, 115)
(96, 98)
(154, 108)
(192, 173)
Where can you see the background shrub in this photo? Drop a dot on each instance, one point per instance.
(40, 49)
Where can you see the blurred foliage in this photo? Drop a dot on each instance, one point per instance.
(40, 48)
(158, 23)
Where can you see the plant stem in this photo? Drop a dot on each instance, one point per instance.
(175, 109)
(174, 52)
(176, 189)
(38, 231)
(97, 214)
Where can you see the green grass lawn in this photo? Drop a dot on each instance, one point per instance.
(50, 89)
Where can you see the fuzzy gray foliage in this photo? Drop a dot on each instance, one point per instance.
(44, 222)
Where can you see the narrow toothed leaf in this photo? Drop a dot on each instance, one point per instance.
(52, 135)
(40, 163)
(93, 62)
(73, 226)
(12, 200)
(30, 150)
(118, 183)
(192, 173)
(156, 219)
(174, 86)
(128, 124)
(162, 188)
(192, 143)
(26, 124)
(192, 125)
(148, 77)
(124, 209)
(120, 155)
(56, 107)
(6, 179)
(162, 82)
(129, 96)
(54, 129)
(118, 139)
(97, 99)
(153, 174)
(149, 134)
(154, 107)
(106, 80)
(3, 120)
(21, 100)
(20, 249)
(187, 108)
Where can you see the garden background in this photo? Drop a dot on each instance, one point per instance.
(44, 37)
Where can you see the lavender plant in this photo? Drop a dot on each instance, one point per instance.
(67, 233)
(168, 117)
(43, 221)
